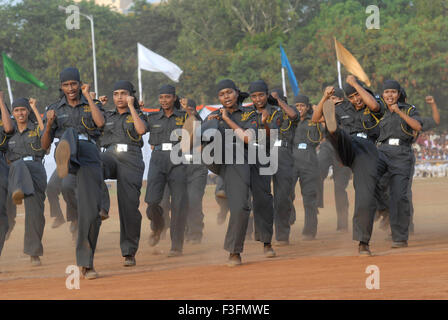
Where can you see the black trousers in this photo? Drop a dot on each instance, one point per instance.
(398, 162)
(283, 183)
(341, 176)
(4, 225)
(237, 185)
(85, 163)
(127, 168)
(31, 178)
(361, 156)
(224, 206)
(383, 191)
(262, 203)
(306, 170)
(161, 172)
(196, 181)
(66, 186)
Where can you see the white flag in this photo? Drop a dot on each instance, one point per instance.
(151, 61)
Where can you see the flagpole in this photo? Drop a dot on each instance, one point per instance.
(284, 82)
(9, 90)
(339, 74)
(140, 83)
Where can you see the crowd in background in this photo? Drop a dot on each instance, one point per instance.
(431, 153)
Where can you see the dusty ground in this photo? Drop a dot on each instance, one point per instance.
(326, 268)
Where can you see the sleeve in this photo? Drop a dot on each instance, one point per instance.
(414, 114)
(379, 114)
(54, 126)
(276, 119)
(251, 122)
(428, 124)
(145, 120)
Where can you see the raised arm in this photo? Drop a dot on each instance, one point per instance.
(37, 114)
(139, 125)
(6, 117)
(47, 139)
(246, 136)
(97, 115)
(414, 124)
(435, 112)
(285, 107)
(318, 111)
(368, 99)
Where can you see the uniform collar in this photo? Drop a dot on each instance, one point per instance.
(63, 101)
(268, 108)
(176, 112)
(30, 126)
(115, 111)
(307, 117)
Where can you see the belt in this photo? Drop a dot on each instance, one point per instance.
(122, 147)
(85, 137)
(394, 142)
(164, 147)
(281, 143)
(29, 158)
(361, 135)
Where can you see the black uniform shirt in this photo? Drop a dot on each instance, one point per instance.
(244, 117)
(288, 127)
(120, 129)
(307, 134)
(26, 143)
(78, 117)
(359, 121)
(3, 138)
(160, 126)
(274, 121)
(393, 127)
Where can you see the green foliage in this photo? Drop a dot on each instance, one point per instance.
(211, 40)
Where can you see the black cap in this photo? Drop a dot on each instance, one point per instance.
(391, 84)
(225, 84)
(167, 89)
(70, 74)
(124, 85)
(258, 86)
(302, 99)
(21, 102)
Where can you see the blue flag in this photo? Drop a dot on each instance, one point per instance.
(291, 76)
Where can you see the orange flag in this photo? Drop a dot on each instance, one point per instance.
(350, 62)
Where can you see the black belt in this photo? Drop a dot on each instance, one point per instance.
(29, 158)
(160, 147)
(394, 142)
(130, 147)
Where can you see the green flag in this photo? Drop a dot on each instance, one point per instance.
(15, 72)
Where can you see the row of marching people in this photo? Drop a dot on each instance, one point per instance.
(366, 135)
(370, 134)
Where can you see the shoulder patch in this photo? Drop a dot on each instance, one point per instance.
(246, 115)
(180, 121)
(129, 119)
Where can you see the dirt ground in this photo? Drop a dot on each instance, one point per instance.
(325, 268)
